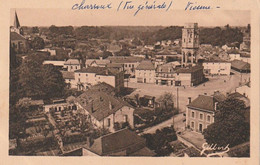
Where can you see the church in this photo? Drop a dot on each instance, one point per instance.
(18, 42)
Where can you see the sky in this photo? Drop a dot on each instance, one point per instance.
(65, 17)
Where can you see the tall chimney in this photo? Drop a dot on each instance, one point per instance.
(189, 100)
(215, 106)
(92, 106)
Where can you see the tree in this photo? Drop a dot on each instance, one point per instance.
(37, 43)
(35, 29)
(137, 98)
(230, 126)
(123, 52)
(53, 82)
(166, 100)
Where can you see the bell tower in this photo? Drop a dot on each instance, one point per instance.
(16, 28)
(190, 43)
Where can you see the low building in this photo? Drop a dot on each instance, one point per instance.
(114, 144)
(240, 66)
(96, 62)
(105, 111)
(58, 64)
(69, 78)
(18, 43)
(190, 76)
(234, 57)
(58, 105)
(216, 67)
(87, 77)
(72, 64)
(201, 111)
(145, 72)
(165, 75)
(244, 90)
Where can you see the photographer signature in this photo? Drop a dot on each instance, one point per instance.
(217, 150)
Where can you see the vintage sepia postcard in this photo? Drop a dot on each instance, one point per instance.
(116, 82)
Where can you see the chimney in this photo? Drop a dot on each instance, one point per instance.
(189, 100)
(215, 106)
(205, 94)
(101, 58)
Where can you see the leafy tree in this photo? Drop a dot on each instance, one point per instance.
(230, 126)
(37, 43)
(106, 54)
(53, 82)
(166, 100)
(35, 29)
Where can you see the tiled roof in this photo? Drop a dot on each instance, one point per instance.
(204, 102)
(145, 65)
(98, 62)
(15, 36)
(99, 71)
(166, 68)
(55, 63)
(189, 69)
(114, 65)
(98, 103)
(123, 142)
(123, 59)
(72, 62)
(240, 65)
(104, 87)
(68, 75)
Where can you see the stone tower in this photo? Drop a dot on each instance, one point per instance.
(190, 43)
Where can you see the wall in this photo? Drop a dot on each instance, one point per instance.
(197, 119)
(217, 68)
(149, 75)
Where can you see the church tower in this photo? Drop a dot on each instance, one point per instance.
(190, 43)
(16, 28)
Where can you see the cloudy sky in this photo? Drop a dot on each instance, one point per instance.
(64, 17)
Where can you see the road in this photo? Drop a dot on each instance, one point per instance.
(178, 124)
(223, 84)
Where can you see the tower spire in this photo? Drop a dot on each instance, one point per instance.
(16, 21)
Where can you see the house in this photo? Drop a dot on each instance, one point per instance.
(234, 56)
(129, 63)
(104, 87)
(240, 66)
(51, 50)
(145, 72)
(189, 76)
(216, 67)
(72, 65)
(69, 78)
(58, 64)
(58, 105)
(18, 42)
(244, 90)
(201, 111)
(120, 143)
(105, 111)
(148, 101)
(87, 77)
(165, 74)
(96, 62)
(119, 67)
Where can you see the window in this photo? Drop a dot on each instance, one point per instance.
(86, 75)
(208, 118)
(132, 65)
(193, 114)
(192, 124)
(125, 118)
(129, 65)
(201, 116)
(108, 122)
(79, 79)
(70, 67)
(125, 65)
(79, 74)
(76, 67)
